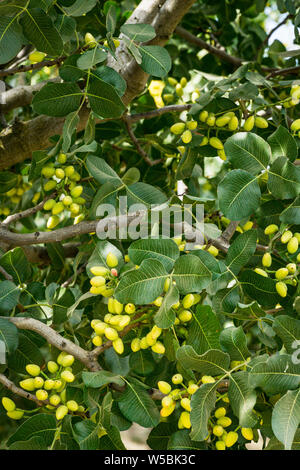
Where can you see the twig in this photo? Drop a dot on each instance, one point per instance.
(289, 70)
(135, 141)
(7, 276)
(28, 212)
(266, 40)
(71, 278)
(19, 391)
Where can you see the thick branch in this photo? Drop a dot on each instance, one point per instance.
(54, 338)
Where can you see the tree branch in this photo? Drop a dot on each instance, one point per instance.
(28, 212)
(236, 61)
(54, 338)
(7, 276)
(19, 391)
(139, 148)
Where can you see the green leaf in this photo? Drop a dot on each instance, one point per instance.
(204, 330)
(259, 288)
(234, 341)
(17, 265)
(181, 440)
(141, 363)
(283, 144)
(39, 159)
(278, 375)
(111, 19)
(165, 250)
(165, 317)
(104, 99)
(284, 179)
(39, 29)
(10, 38)
(8, 180)
(41, 425)
(9, 296)
(109, 75)
(100, 253)
(35, 443)
(286, 418)
(66, 26)
(80, 8)
(191, 274)
(9, 335)
(138, 32)
(137, 406)
(241, 251)
(202, 404)
(239, 194)
(155, 60)
(112, 440)
(143, 193)
(27, 353)
(242, 399)
(159, 437)
(226, 300)
(248, 151)
(288, 330)
(98, 379)
(90, 58)
(101, 171)
(291, 215)
(86, 434)
(142, 285)
(57, 99)
(213, 362)
(70, 127)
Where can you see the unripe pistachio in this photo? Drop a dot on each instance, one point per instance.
(39, 382)
(186, 137)
(67, 201)
(185, 316)
(270, 229)
(185, 419)
(220, 412)
(216, 143)
(28, 385)
(172, 81)
(67, 376)
(77, 191)
(204, 141)
(286, 236)
(222, 121)
(179, 90)
(220, 445)
(16, 414)
(267, 260)
(281, 273)
(295, 126)
(261, 122)
(231, 438)
(247, 433)
(165, 412)
(213, 251)
(130, 309)
(135, 345)
(72, 405)
(281, 289)
(188, 300)
(222, 154)
(60, 357)
(59, 173)
(207, 379)
(118, 307)
(191, 125)
(74, 209)
(177, 379)
(192, 388)
(97, 341)
(156, 331)
(249, 123)
(58, 384)
(97, 281)
(224, 421)
(58, 208)
(53, 221)
(144, 343)
(99, 271)
(8, 404)
(62, 158)
(178, 128)
(293, 245)
(36, 56)
(111, 260)
(48, 206)
(49, 384)
(55, 400)
(68, 360)
(158, 348)
(41, 395)
(69, 171)
(203, 116)
(210, 121)
(52, 367)
(97, 290)
(218, 430)
(233, 123)
(292, 268)
(111, 334)
(248, 226)
(183, 82)
(33, 370)
(164, 387)
(158, 301)
(118, 346)
(50, 185)
(61, 412)
(186, 404)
